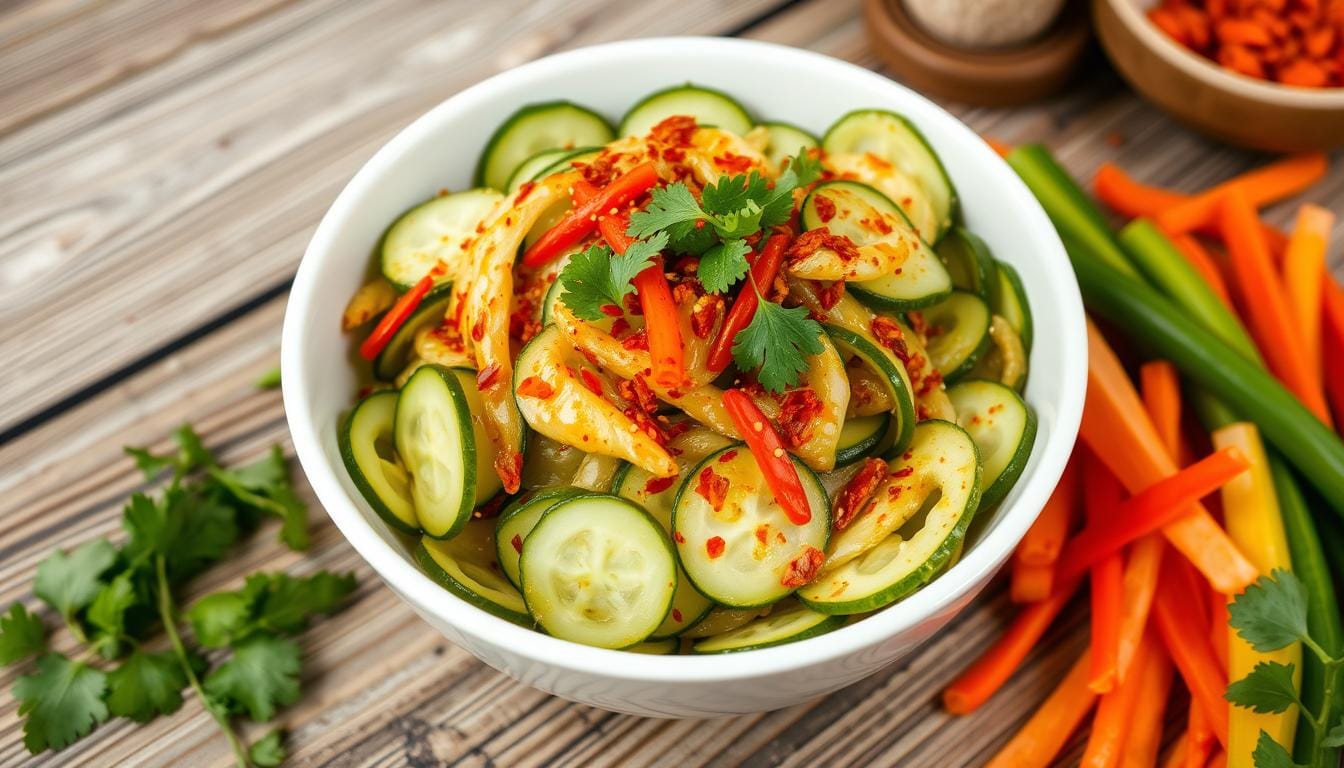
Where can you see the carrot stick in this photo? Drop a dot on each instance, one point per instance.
(1001, 149)
(1185, 636)
(989, 672)
(1218, 634)
(1280, 179)
(1161, 388)
(1270, 319)
(1031, 583)
(1115, 713)
(1201, 739)
(1176, 757)
(1129, 197)
(1219, 760)
(1117, 429)
(1044, 539)
(1042, 737)
(1304, 273)
(1103, 496)
(1144, 739)
(1332, 340)
(1199, 258)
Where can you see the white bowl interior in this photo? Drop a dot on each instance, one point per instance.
(440, 150)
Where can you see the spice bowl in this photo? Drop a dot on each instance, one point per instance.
(1240, 110)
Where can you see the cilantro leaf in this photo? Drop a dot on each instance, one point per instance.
(264, 486)
(802, 169)
(262, 674)
(1271, 754)
(70, 582)
(1272, 612)
(1334, 737)
(60, 703)
(189, 530)
(778, 341)
(733, 193)
(597, 277)
(270, 379)
(145, 686)
(191, 455)
(21, 635)
(219, 619)
(149, 463)
(107, 613)
(1268, 688)
(723, 265)
(268, 603)
(268, 751)
(672, 209)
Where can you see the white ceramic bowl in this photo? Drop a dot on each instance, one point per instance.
(440, 149)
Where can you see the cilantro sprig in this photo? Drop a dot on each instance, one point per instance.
(598, 277)
(115, 599)
(1272, 614)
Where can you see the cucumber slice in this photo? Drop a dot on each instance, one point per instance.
(548, 462)
(706, 105)
(969, 262)
(1006, 359)
(759, 541)
(944, 482)
(370, 458)
(1010, 302)
(860, 437)
(657, 497)
(434, 437)
(517, 521)
(896, 140)
(958, 331)
(795, 623)
(598, 570)
(786, 141)
(867, 217)
(487, 480)
(440, 230)
(552, 125)
(466, 567)
(532, 167)
(892, 372)
(667, 647)
(567, 161)
(1002, 426)
(431, 312)
(723, 619)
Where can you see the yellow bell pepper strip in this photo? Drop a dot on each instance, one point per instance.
(1251, 512)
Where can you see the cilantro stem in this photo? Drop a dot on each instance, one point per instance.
(1321, 653)
(169, 619)
(1320, 721)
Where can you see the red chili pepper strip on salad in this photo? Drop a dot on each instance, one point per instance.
(582, 220)
(661, 321)
(395, 318)
(780, 474)
(763, 272)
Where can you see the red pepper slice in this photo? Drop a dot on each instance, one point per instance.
(582, 220)
(763, 272)
(655, 298)
(774, 461)
(395, 318)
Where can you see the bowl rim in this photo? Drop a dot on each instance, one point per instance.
(950, 587)
(1191, 63)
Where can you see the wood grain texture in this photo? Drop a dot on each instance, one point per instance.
(161, 168)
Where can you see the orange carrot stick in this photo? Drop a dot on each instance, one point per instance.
(1200, 739)
(1161, 387)
(1103, 495)
(1115, 711)
(1280, 179)
(1176, 757)
(1116, 427)
(1332, 340)
(1183, 631)
(1031, 583)
(1144, 739)
(1128, 197)
(1042, 737)
(1270, 320)
(1001, 149)
(1304, 273)
(1199, 258)
(1218, 634)
(989, 672)
(1045, 537)
(1219, 760)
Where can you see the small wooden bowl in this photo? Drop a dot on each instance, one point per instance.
(1237, 109)
(992, 78)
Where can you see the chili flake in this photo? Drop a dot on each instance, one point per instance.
(713, 488)
(535, 386)
(803, 568)
(714, 547)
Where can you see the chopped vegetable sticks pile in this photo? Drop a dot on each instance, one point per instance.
(1185, 507)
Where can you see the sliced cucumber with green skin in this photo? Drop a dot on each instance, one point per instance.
(787, 626)
(466, 567)
(867, 217)
(488, 483)
(552, 125)
(722, 619)
(598, 570)
(437, 445)
(517, 521)
(958, 333)
(370, 458)
(896, 140)
(909, 558)
(1003, 427)
(969, 262)
(440, 230)
(706, 105)
(786, 141)
(566, 162)
(860, 437)
(688, 605)
(739, 554)
(532, 167)
(666, 647)
(431, 312)
(548, 462)
(1010, 301)
(1006, 359)
(892, 372)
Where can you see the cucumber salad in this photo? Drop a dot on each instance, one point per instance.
(691, 383)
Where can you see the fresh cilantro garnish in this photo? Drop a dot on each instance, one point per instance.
(1271, 613)
(1268, 688)
(114, 598)
(1335, 738)
(723, 265)
(1270, 754)
(270, 379)
(778, 341)
(598, 277)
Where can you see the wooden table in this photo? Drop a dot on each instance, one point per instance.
(162, 165)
